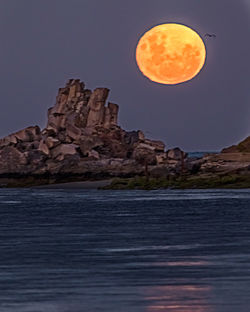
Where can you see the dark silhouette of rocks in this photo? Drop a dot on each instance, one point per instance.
(83, 138)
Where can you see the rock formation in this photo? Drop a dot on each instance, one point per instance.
(82, 140)
(232, 159)
(242, 147)
(82, 137)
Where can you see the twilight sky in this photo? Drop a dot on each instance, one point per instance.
(46, 42)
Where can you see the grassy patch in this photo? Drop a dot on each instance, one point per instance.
(183, 182)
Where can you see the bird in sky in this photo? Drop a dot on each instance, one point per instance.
(210, 35)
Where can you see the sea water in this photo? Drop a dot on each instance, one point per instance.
(133, 251)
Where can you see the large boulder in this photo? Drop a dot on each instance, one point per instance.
(8, 140)
(28, 134)
(43, 147)
(64, 149)
(12, 160)
(52, 142)
(176, 154)
(176, 161)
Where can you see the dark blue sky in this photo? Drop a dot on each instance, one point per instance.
(46, 42)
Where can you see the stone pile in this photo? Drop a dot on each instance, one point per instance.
(82, 136)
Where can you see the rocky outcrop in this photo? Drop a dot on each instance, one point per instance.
(82, 136)
(231, 159)
(77, 108)
(242, 147)
(82, 139)
(224, 163)
(30, 134)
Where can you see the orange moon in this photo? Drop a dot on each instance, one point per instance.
(170, 54)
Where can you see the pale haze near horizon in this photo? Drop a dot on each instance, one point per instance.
(44, 43)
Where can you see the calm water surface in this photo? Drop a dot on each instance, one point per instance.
(133, 251)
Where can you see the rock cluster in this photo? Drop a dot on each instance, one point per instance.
(82, 136)
(82, 139)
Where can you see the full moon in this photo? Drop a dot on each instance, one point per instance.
(170, 54)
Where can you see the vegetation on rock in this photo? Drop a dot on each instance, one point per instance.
(233, 181)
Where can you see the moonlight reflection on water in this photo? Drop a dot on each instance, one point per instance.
(137, 251)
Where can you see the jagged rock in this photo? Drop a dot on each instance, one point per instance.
(55, 120)
(111, 115)
(67, 101)
(114, 109)
(96, 107)
(107, 117)
(28, 134)
(27, 146)
(25, 135)
(43, 147)
(52, 142)
(8, 140)
(48, 133)
(176, 154)
(64, 149)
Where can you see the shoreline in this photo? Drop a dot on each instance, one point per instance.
(232, 180)
(86, 185)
